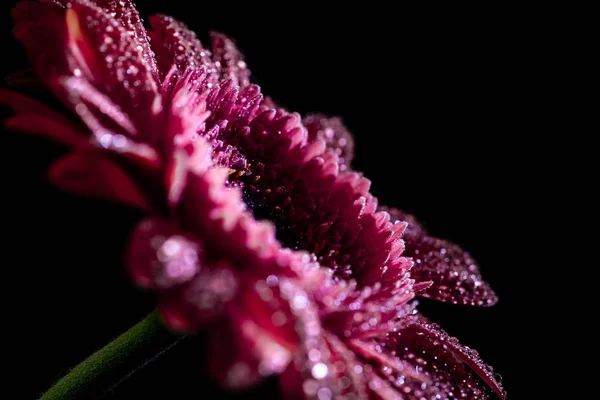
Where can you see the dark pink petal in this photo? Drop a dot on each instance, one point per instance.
(334, 133)
(325, 372)
(88, 58)
(124, 11)
(219, 218)
(96, 109)
(469, 356)
(419, 360)
(365, 313)
(128, 17)
(263, 333)
(269, 102)
(43, 126)
(161, 256)
(202, 300)
(229, 60)
(312, 372)
(41, 28)
(35, 118)
(91, 173)
(242, 354)
(111, 127)
(21, 104)
(176, 45)
(23, 79)
(382, 389)
(455, 275)
(109, 57)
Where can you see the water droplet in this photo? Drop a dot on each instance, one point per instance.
(272, 280)
(314, 355)
(119, 141)
(319, 371)
(300, 300)
(324, 394)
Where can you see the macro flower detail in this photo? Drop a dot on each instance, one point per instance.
(335, 135)
(258, 230)
(373, 345)
(455, 274)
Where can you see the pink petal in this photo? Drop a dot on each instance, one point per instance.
(242, 354)
(161, 256)
(201, 301)
(42, 30)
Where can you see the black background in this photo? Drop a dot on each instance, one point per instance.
(435, 99)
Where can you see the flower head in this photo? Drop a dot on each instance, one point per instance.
(258, 229)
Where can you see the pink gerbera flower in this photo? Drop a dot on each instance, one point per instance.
(257, 230)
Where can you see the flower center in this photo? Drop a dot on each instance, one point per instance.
(262, 196)
(293, 181)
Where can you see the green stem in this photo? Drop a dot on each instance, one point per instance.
(116, 353)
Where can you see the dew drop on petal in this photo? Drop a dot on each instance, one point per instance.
(324, 394)
(300, 301)
(272, 280)
(319, 370)
(314, 354)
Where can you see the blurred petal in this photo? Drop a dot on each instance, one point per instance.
(43, 126)
(91, 173)
(242, 353)
(161, 256)
(42, 30)
(23, 79)
(35, 118)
